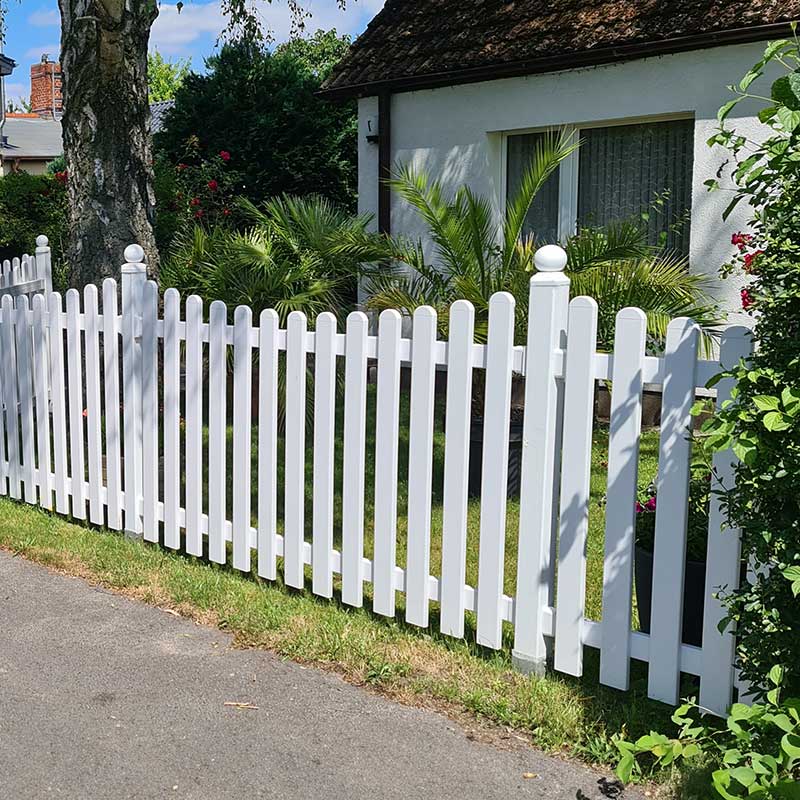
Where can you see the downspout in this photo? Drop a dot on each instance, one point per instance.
(384, 162)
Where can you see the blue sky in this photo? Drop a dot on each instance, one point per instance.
(32, 29)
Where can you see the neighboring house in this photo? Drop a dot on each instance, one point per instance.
(29, 143)
(6, 68)
(461, 88)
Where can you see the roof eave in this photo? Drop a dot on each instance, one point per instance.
(587, 58)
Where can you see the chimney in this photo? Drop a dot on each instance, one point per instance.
(46, 100)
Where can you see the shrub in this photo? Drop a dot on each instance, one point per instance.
(762, 423)
(262, 107)
(31, 205)
(755, 754)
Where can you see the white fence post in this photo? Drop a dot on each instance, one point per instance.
(134, 275)
(547, 328)
(44, 265)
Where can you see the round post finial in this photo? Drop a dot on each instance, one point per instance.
(42, 241)
(134, 254)
(550, 258)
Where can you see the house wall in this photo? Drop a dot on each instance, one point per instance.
(456, 133)
(31, 166)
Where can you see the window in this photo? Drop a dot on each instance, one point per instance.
(620, 172)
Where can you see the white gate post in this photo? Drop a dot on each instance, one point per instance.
(134, 276)
(44, 268)
(547, 331)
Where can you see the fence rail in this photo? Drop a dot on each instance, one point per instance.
(94, 402)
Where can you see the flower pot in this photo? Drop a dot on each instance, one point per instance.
(693, 595)
(476, 458)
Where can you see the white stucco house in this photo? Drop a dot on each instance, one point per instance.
(462, 87)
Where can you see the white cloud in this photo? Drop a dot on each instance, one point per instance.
(45, 18)
(52, 50)
(174, 33)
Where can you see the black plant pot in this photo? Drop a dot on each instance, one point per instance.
(476, 458)
(693, 595)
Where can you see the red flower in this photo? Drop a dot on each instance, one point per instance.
(747, 299)
(198, 214)
(741, 240)
(749, 259)
(639, 508)
(61, 177)
(195, 201)
(182, 167)
(650, 505)
(213, 185)
(226, 212)
(224, 155)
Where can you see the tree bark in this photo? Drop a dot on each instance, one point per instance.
(106, 134)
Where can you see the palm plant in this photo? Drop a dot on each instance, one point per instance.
(299, 254)
(471, 260)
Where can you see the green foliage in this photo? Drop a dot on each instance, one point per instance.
(298, 254)
(756, 753)
(31, 205)
(261, 107)
(164, 78)
(762, 422)
(615, 265)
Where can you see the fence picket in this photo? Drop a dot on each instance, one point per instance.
(420, 466)
(623, 471)
(268, 444)
(295, 488)
(77, 460)
(25, 386)
(10, 397)
(456, 466)
(575, 477)
(217, 430)
(193, 393)
(680, 359)
(387, 424)
(93, 410)
(324, 430)
(494, 469)
(172, 417)
(355, 442)
(4, 463)
(242, 398)
(547, 327)
(41, 383)
(150, 451)
(724, 549)
(58, 400)
(111, 405)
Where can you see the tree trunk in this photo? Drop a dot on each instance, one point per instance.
(106, 133)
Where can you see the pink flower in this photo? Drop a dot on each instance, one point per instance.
(639, 508)
(650, 505)
(195, 201)
(224, 155)
(213, 185)
(198, 214)
(747, 299)
(226, 212)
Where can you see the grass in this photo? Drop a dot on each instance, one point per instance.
(577, 717)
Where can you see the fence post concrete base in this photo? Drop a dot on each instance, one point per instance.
(528, 665)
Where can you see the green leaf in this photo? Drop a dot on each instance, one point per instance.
(744, 775)
(727, 108)
(788, 118)
(775, 421)
(765, 402)
(791, 400)
(786, 91)
(766, 115)
(745, 451)
(790, 744)
(625, 768)
(776, 675)
(793, 574)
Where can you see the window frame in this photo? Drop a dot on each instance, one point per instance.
(569, 174)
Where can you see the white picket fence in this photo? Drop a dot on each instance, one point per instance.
(111, 456)
(28, 274)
